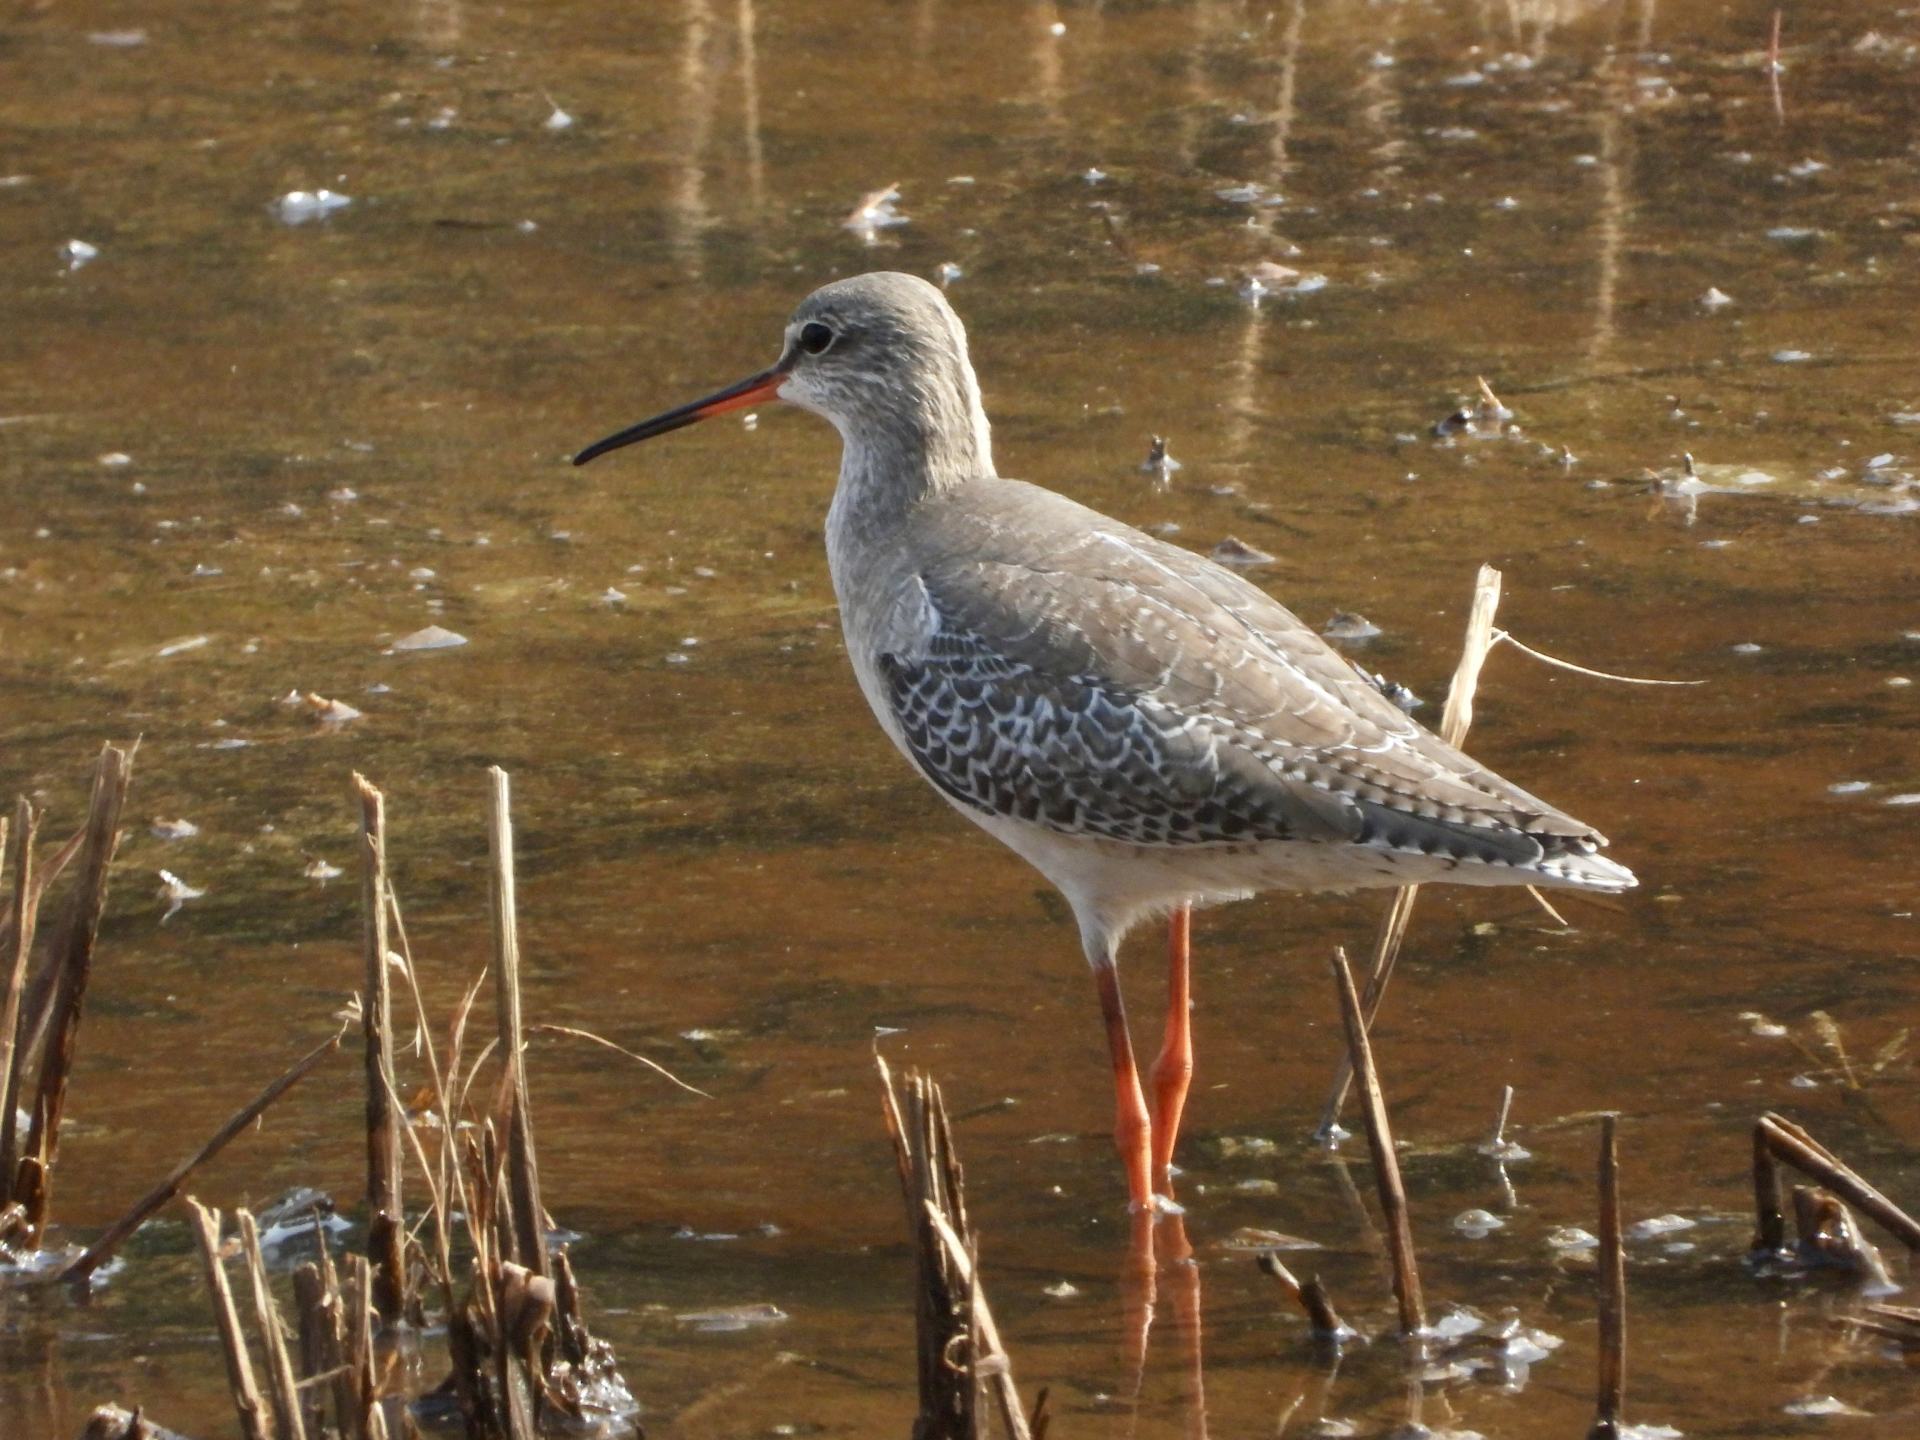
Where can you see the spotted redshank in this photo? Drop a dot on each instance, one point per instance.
(1149, 730)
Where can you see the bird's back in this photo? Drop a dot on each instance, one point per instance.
(1047, 666)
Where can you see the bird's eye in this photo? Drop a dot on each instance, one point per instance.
(815, 338)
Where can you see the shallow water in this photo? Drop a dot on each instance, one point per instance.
(724, 865)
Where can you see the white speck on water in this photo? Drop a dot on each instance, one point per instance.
(1506, 202)
(1882, 460)
(1905, 417)
(117, 39)
(1064, 1290)
(1649, 1432)
(1804, 1082)
(1057, 29)
(1792, 232)
(1458, 1322)
(420, 572)
(298, 207)
(1761, 1026)
(327, 712)
(1466, 78)
(1849, 787)
(1093, 175)
(678, 657)
(1898, 682)
(1572, 1237)
(206, 572)
(1715, 299)
(947, 272)
(114, 459)
(960, 180)
(322, 871)
(1910, 798)
(344, 495)
(611, 596)
(181, 647)
(1659, 1225)
(1804, 168)
(559, 120)
(171, 830)
(1586, 162)
(432, 638)
(1380, 60)
(77, 253)
(1746, 647)
(1790, 357)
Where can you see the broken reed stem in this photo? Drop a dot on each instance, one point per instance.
(1455, 721)
(1770, 1224)
(950, 1305)
(386, 1213)
(273, 1335)
(523, 1169)
(1613, 1293)
(1794, 1146)
(1386, 1164)
(318, 1312)
(1310, 1295)
(254, 1424)
(22, 914)
(72, 951)
(102, 1249)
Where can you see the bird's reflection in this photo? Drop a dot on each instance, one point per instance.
(1160, 1254)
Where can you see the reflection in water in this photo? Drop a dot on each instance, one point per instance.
(688, 208)
(750, 112)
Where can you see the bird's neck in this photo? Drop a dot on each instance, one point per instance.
(888, 467)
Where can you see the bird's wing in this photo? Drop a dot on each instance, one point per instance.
(1116, 686)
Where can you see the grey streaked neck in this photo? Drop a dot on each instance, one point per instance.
(898, 454)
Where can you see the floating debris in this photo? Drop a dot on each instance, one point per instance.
(1396, 692)
(1821, 1405)
(611, 596)
(1270, 277)
(559, 120)
(1349, 625)
(298, 207)
(1159, 463)
(946, 272)
(328, 712)
(1760, 1025)
(1477, 1225)
(78, 253)
(176, 892)
(1236, 552)
(1094, 175)
(1064, 1290)
(1659, 1225)
(171, 830)
(1715, 299)
(432, 638)
(1791, 357)
(181, 647)
(1572, 1237)
(736, 1317)
(322, 871)
(117, 39)
(876, 212)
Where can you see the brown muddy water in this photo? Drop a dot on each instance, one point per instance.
(241, 456)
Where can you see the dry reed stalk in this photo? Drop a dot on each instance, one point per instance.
(1613, 1293)
(318, 1315)
(272, 1331)
(1386, 1164)
(72, 950)
(1455, 721)
(21, 916)
(523, 1170)
(102, 1249)
(386, 1211)
(1770, 1224)
(110, 1422)
(958, 1342)
(255, 1422)
(1794, 1146)
(1311, 1296)
(362, 1377)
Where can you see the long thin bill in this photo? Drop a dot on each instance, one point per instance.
(750, 391)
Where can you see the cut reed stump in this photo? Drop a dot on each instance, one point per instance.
(53, 1025)
(1613, 1294)
(1311, 1296)
(958, 1344)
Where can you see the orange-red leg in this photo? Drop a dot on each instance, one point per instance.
(1173, 1070)
(1131, 1133)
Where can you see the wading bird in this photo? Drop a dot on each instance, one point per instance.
(1149, 730)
